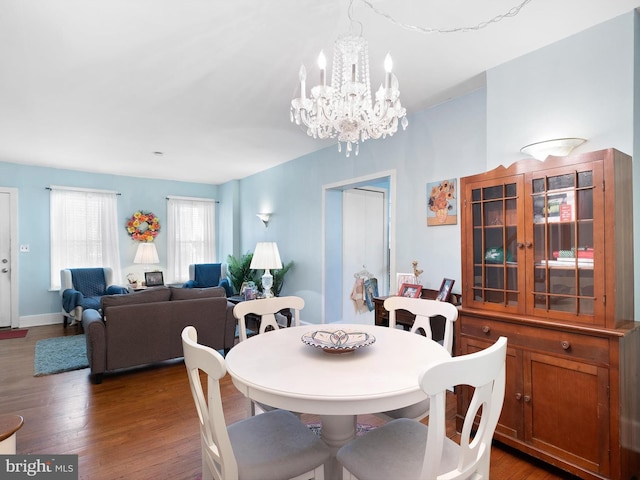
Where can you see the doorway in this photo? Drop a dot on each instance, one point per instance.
(8, 257)
(358, 238)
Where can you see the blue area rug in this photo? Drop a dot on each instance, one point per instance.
(61, 354)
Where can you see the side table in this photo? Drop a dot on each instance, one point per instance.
(9, 425)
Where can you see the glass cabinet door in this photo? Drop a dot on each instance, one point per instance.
(496, 249)
(566, 244)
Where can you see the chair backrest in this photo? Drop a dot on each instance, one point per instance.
(267, 308)
(485, 372)
(424, 310)
(216, 446)
(207, 274)
(90, 281)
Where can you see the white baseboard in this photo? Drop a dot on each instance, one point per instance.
(39, 320)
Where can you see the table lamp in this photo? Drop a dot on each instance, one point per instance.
(267, 257)
(146, 254)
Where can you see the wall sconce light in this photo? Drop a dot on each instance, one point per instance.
(558, 147)
(265, 218)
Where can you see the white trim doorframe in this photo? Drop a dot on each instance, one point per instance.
(13, 255)
(390, 176)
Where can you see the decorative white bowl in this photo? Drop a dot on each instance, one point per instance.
(337, 341)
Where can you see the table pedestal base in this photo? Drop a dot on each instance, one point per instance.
(337, 430)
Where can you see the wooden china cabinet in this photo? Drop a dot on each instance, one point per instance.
(547, 261)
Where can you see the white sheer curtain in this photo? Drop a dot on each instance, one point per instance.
(84, 231)
(190, 235)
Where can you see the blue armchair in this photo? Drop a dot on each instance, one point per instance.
(82, 288)
(203, 275)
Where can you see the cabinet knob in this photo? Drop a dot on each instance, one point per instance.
(520, 245)
(518, 396)
(528, 244)
(5, 270)
(486, 329)
(527, 398)
(565, 344)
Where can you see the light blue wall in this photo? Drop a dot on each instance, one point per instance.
(583, 86)
(33, 221)
(445, 140)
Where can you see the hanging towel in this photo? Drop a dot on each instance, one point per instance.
(357, 294)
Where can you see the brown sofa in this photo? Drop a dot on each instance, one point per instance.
(144, 327)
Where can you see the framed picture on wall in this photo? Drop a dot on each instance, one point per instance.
(410, 290)
(445, 290)
(441, 203)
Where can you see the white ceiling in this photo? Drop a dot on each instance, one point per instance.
(100, 85)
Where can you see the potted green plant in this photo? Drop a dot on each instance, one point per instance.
(239, 271)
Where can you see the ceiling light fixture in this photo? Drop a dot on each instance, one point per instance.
(558, 147)
(344, 109)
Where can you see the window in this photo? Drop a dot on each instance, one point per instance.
(190, 234)
(84, 231)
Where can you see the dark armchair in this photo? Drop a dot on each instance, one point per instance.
(82, 288)
(204, 275)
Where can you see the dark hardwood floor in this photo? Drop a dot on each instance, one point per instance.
(141, 424)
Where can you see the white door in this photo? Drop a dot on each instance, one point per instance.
(364, 248)
(5, 259)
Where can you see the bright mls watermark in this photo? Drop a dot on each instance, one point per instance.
(49, 467)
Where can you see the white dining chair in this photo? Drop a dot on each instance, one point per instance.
(267, 309)
(271, 446)
(424, 310)
(405, 448)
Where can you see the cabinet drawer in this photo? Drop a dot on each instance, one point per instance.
(575, 345)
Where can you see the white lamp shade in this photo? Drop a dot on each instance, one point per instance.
(146, 254)
(266, 256)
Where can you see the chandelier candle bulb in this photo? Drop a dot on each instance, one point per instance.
(322, 63)
(303, 76)
(388, 66)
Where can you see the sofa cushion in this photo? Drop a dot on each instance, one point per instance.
(192, 293)
(151, 295)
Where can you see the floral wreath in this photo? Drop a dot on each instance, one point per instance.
(143, 226)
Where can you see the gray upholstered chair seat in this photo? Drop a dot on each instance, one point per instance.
(382, 453)
(274, 445)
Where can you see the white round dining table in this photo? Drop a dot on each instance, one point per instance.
(276, 368)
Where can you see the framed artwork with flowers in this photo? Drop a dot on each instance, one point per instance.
(441, 203)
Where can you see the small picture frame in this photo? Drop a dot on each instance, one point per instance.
(444, 294)
(370, 292)
(410, 290)
(402, 278)
(153, 279)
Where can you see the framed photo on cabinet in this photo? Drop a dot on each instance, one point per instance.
(445, 290)
(410, 290)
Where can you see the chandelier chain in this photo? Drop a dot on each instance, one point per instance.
(511, 13)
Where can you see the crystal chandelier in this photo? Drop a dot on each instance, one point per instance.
(345, 109)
